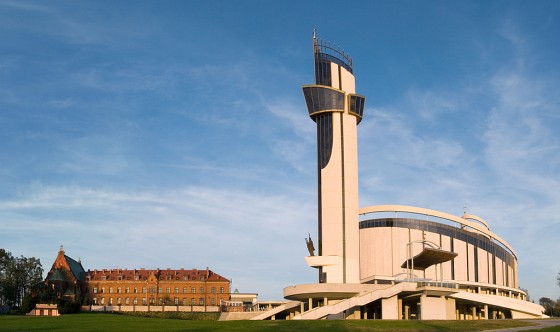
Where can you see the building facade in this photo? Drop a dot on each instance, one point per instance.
(390, 261)
(116, 287)
(137, 287)
(66, 278)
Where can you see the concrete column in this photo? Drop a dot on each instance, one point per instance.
(391, 308)
(406, 312)
(357, 313)
(473, 310)
(486, 311)
(325, 301)
(310, 303)
(302, 307)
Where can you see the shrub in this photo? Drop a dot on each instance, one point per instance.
(174, 315)
(68, 307)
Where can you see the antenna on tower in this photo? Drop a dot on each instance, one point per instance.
(314, 33)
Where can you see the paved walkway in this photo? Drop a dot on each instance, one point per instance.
(543, 323)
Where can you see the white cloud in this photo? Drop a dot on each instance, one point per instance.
(195, 226)
(507, 172)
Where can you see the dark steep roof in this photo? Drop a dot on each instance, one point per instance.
(56, 276)
(76, 268)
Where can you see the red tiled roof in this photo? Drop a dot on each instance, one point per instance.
(143, 274)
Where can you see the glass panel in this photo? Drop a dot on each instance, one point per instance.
(320, 99)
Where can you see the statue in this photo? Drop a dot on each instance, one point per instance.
(310, 246)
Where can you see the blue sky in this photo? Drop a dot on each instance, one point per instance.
(174, 134)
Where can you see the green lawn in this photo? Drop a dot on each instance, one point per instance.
(109, 322)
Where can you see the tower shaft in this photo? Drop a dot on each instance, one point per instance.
(337, 110)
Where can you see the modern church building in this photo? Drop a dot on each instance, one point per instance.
(390, 261)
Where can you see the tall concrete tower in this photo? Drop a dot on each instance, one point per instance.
(337, 110)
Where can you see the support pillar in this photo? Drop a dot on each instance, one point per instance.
(391, 308)
(406, 312)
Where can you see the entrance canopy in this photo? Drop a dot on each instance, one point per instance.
(427, 258)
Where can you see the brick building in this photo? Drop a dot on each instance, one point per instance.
(156, 287)
(136, 287)
(66, 277)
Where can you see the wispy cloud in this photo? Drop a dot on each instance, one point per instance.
(512, 176)
(201, 220)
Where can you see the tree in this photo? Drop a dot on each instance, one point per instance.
(548, 305)
(18, 277)
(6, 261)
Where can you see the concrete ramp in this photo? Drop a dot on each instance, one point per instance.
(358, 300)
(521, 306)
(269, 313)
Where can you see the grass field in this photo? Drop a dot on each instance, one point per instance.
(110, 322)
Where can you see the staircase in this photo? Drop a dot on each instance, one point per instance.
(358, 300)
